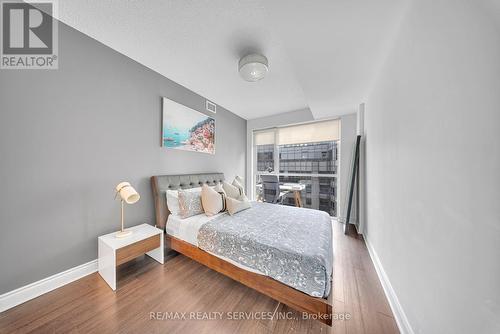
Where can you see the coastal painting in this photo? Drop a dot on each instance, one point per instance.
(186, 129)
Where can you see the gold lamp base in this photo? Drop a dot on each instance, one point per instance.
(123, 234)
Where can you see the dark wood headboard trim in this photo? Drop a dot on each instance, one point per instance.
(156, 200)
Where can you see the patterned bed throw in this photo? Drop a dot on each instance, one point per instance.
(291, 245)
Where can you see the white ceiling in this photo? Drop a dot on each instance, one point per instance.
(323, 54)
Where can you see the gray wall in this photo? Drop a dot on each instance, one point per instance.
(433, 161)
(68, 136)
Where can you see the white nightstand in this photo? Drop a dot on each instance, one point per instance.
(145, 239)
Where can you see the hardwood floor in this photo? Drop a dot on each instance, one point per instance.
(182, 285)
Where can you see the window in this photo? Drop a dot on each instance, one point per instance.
(265, 158)
(306, 154)
(264, 147)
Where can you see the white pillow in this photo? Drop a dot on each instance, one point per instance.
(231, 191)
(212, 201)
(218, 188)
(173, 199)
(239, 179)
(236, 205)
(238, 185)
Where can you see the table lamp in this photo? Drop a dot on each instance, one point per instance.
(130, 196)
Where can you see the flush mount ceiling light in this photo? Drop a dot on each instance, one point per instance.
(253, 67)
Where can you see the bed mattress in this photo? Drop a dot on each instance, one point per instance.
(291, 245)
(187, 230)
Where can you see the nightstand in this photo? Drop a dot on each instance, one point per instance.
(145, 239)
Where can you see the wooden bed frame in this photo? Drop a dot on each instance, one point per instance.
(319, 308)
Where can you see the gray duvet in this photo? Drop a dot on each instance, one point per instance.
(291, 245)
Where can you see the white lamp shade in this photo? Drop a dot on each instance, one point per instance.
(127, 193)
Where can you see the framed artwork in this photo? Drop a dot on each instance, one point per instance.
(186, 129)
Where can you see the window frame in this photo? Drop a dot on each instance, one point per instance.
(276, 160)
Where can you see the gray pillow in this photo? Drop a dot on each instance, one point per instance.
(189, 203)
(173, 199)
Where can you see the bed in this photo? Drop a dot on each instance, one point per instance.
(267, 247)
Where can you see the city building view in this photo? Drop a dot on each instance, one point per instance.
(312, 164)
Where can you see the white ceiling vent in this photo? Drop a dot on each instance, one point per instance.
(211, 107)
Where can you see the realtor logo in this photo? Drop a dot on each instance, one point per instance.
(29, 35)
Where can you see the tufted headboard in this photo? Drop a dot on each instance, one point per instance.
(161, 183)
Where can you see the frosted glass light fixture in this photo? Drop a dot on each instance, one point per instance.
(253, 67)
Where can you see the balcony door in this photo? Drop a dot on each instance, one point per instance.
(304, 154)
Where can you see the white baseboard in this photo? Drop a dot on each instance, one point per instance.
(33, 290)
(397, 309)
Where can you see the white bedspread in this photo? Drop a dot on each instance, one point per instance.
(187, 229)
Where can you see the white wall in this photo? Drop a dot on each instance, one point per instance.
(433, 167)
(348, 134)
